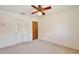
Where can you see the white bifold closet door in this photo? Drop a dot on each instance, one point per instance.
(19, 31)
(23, 31)
(27, 30)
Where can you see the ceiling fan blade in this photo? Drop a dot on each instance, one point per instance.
(37, 12)
(43, 13)
(34, 7)
(49, 7)
(34, 12)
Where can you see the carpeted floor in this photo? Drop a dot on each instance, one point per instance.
(36, 47)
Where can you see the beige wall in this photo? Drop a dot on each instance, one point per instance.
(17, 28)
(61, 28)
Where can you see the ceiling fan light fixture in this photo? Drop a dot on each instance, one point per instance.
(39, 13)
(40, 10)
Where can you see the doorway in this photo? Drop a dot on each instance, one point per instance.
(35, 30)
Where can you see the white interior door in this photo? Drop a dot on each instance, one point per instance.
(23, 30)
(19, 31)
(27, 31)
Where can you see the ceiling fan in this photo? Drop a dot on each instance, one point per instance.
(40, 9)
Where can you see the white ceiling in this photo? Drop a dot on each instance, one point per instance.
(27, 9)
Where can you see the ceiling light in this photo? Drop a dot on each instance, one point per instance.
(39, 13)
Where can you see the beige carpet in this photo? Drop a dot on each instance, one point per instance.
(36, 47)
